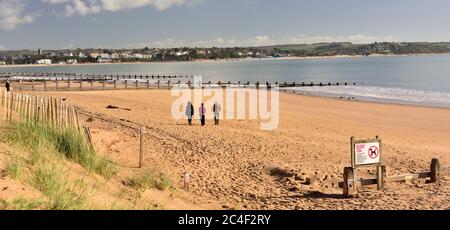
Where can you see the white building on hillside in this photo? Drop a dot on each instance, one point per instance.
(44, 62)
(125, 55)
(105, 56)
(115, 56)
(104, 60)
(182, 53)
(94, 55)
(72, 61)
(138, 56)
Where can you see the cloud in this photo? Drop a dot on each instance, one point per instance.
(55, 1)
(171, 43)
(251, 2)
(262, 40)
(116, 5)
(84, 7)
(2, 47)
(355, 38)
(12, 14)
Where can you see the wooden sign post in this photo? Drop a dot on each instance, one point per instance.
(364, 153)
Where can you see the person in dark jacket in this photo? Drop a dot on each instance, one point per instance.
(202, 113)
(189, 112)
(7, 86)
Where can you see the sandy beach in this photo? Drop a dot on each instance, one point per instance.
(236, 165)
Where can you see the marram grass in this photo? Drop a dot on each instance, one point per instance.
(41, 136)
(148, 180)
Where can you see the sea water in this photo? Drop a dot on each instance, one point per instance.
(416, 79)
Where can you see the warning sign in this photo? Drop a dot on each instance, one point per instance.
(367, 153)
(373, 152)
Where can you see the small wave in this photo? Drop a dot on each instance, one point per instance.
(380, 94)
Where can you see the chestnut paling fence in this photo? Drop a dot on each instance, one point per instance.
(50, 110)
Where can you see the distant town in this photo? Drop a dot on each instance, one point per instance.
(81, 56)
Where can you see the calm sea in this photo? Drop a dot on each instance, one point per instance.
(420, 80)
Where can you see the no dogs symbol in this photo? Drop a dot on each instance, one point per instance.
(373, 152)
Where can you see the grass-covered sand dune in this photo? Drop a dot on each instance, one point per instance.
(43, 167)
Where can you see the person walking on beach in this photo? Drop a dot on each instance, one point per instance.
(189, 112)
(217, 109)
(7, 86)
(202, 112)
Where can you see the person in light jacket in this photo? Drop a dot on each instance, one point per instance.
(217, 109)
(189, 112)
(202, 113)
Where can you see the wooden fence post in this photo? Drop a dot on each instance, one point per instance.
(11, 106)
(126, 84)
(7, 105)
(435, 169)
(349, 187)
(115, 84)
(186, 181)
(141, 152)
(381, 176)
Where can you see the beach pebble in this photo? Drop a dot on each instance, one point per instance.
(310, 181)
(299, 177)
(252, 196)
(295, 189)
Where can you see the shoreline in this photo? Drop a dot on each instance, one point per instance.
(225, 60)
(357, 100)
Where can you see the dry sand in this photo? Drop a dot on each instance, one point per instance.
(236, 165)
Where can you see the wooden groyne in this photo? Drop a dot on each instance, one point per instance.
(85, 76)
(87, 82)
